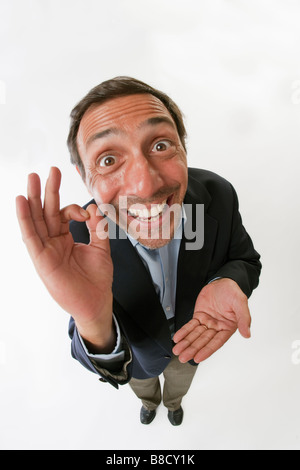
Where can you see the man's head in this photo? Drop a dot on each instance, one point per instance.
(128, 142)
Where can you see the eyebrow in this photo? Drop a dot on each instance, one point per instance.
(102, 134)
(153, 121)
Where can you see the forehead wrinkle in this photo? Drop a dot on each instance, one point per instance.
(122, 105)
(113, 115)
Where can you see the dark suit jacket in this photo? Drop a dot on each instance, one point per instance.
(227, 252)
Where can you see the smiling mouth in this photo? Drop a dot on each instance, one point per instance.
(150, 214)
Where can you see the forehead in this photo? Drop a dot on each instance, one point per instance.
(125, 111)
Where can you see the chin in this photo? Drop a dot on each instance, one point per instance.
(156, 234)
(154, 244)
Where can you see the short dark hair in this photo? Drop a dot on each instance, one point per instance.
(114, 88)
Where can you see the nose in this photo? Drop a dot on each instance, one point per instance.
(142, 179)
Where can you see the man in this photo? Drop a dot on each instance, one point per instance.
(144, 302)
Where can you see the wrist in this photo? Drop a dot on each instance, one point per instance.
(99, 338)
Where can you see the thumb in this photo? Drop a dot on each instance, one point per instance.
(98, 227)
(243, 319)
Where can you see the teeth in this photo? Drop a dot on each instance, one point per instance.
(145, 213)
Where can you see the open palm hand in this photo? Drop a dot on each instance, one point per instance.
(221, 308)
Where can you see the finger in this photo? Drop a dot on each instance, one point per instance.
(72, 212)
(29, 234)
(189, 339)
(212, 346)
(35, 205)
(98, 228)
(185, 330)
(52, 203)
(188, 351)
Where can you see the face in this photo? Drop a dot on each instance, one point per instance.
(135, 162)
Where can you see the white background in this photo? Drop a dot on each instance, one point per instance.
(233, 67)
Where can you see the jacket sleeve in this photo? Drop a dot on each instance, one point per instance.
(243, 262)
(116, 375)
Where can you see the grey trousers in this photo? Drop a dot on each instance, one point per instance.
(178, 378)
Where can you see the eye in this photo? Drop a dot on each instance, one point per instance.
(108, 160)
(161, 146)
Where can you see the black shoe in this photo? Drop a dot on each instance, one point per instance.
(147, 416)
(175, 417)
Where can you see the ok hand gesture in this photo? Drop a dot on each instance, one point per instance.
(79, 277)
